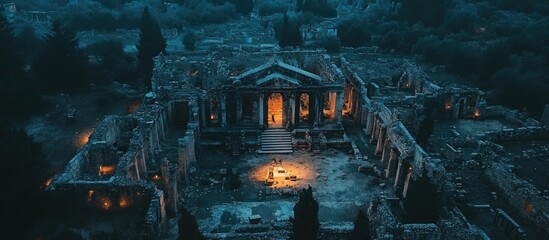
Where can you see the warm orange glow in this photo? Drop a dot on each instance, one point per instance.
(82, 138)
(282, 174)
(123, 202)
(212, 116)
(134, 105)
(528, 207)
(106, 203)
(48, 182)
(156, 177)
(275, 108)
(448, 106)
(107, 170)
(90, 195)
(410, 168)
(476, 114)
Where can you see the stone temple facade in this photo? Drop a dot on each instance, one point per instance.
(231, 99)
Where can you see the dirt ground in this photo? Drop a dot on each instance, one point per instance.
(337, 186)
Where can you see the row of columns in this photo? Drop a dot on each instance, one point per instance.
(290, 103)
(390, 155)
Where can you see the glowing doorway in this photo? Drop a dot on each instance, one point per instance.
(275, 104)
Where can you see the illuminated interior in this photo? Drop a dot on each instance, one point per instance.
(214, 111)
(304, 107)
(107, 170)
(275, 109)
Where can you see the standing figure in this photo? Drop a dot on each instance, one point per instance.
(273, 118)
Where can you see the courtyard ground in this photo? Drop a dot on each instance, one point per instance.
(337, 186)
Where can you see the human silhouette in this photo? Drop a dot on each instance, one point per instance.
(273, 118)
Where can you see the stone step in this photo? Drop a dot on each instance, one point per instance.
(277, 137)
(276, 134)
(274, 151)
(277, 149)
(277, 140)
(276, 145)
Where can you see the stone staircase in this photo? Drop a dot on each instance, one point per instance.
(276, 140)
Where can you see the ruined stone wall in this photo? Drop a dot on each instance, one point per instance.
(156, 215)
(383, 224)
(518, 134)
(453, 225)
(522, 195)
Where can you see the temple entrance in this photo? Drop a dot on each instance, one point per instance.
(275, 117)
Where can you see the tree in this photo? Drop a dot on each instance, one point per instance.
(114, 64)
(305, 223)
(61, 66)
(188, 228)
(151, 43)
(11, 61)
(23, 164)
(430, 12)
(361, 230)
(319, 8)
(422, 203)
(353, 34)
(288, 33)
(243, 7)
(189, 41)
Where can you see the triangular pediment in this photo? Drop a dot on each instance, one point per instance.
(277, 73)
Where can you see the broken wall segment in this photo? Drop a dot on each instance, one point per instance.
(522, 195)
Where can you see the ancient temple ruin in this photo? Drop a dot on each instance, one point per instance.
(284, 101)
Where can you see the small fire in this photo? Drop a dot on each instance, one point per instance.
(476, 114)
(123, 202)
(106, 203)
(212, 116)
(156, 177)
(448, 106)
(48, 182)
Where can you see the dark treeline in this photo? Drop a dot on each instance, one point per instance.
(501, 44)
(107, 15)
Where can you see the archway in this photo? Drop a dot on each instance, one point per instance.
(275, 109)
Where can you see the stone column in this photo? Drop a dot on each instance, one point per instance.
(292, 108)
(375, 129)
(400, 175)
(386, 152)
(238, 108)
(316, 112)
(223, 112)
(285, 108)
(261, 115)
(203, 112)
(338, 106)
(393, 159)
(381, 139)
(370, 122)
(319, 98)
(407, 183)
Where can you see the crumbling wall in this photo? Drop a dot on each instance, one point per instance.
(522, 195)
(453, 225)
(156, 215)
(518, 134)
